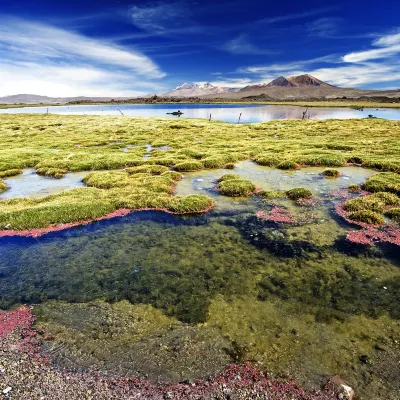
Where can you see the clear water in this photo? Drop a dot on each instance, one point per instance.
(298, 299)
(30, 184)
(223, 112)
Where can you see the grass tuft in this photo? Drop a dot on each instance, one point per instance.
(10, 172)
(331, 173)
(189, 166)
(299, 193)
(367, 216)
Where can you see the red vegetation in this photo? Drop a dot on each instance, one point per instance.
(277, 214)
(18, 340)
(369, 234)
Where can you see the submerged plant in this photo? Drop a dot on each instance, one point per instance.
(299, 193)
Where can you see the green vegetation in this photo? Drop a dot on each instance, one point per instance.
(55, 145)
(377, 202)
(288, 164)
(331, 173)
(189, 166)
(57, 173)
(393, 214)
(354, 188)
(3, 186)
(383, 182)
(10, 172)
(271, 194)
(367, 216)
(235, 186)
(299, 193)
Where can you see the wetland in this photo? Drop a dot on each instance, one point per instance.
(237, 243)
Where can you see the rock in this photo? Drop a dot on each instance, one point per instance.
(168, 395)
(7, 390)
(342, 389)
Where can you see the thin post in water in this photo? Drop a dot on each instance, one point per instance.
(240, 116)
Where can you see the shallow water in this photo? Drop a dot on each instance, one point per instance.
(266, 178)
(223, 112)
(296, 298)
(30, 184)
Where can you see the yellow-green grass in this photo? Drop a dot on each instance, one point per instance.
(56, 144)
(3, 186)
(299, 193)
(10, 172)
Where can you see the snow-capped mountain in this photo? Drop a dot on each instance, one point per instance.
(194, 89)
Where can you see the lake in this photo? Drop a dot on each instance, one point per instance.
(224, 112)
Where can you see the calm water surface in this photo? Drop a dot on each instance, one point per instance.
(225, 112)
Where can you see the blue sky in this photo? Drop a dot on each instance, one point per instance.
(128, 48)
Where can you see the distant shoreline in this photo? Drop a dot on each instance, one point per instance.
(342, 103)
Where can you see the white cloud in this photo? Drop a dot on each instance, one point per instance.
(67, 81)
(389, 46)
(42, 59)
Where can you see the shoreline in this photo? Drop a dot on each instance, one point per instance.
(38, 232)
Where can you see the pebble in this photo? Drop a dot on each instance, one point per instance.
(6, 390)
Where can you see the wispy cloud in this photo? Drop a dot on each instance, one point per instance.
(324, 27)
(242, 45)
(295, 16)
(160, 17)
(57, 62)
(380, 64)
(388, 45)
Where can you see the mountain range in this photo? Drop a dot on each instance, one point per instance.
(190, 90)
(282, 88)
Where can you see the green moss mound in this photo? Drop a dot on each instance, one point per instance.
(3, 186)
(271, 194)
(57, 173)
(299, 193)
(188, 166)
(331, 173)
(393, 214)
(229, 177)
(288, 164)
(175, 176)
(367, 216)
(10, 172)
(383, 182)
(229, 166)
(236, 187)
(353, 188)
(191, 204)
(389, 199)
(148, 169)
(106, 179)
(266, 160)
(365, 203)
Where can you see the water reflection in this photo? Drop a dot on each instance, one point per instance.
(223, 112)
